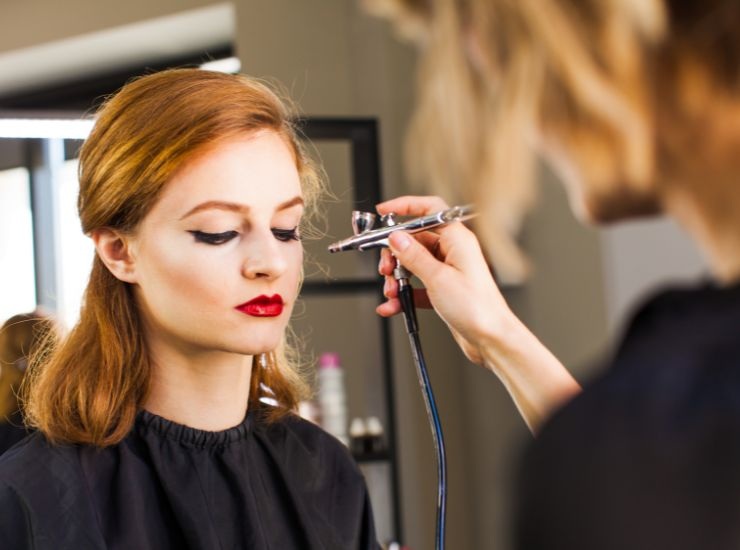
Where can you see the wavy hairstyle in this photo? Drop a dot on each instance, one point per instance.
(609, 78)
(90, 390)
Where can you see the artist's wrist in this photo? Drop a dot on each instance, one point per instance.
(536, 380)
(500, 341)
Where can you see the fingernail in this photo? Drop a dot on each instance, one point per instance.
(385, 288)
(399, 241)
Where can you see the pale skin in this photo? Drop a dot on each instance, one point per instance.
(247, 191)
(703, 197)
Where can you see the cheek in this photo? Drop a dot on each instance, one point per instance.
(179, 278)
(175, 271)
(294, 270)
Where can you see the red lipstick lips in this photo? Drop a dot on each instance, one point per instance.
(263, 306)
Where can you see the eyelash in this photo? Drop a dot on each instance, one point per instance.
(213, 238)
(283, 235)
(286, 235)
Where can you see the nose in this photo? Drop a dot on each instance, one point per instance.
(263, 258)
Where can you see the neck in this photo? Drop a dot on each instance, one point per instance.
(708, 207)
(701, 169)
(207, 390)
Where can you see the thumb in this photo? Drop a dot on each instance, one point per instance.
(413, 255)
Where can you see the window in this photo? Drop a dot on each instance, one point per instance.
(44, 257)
(76, 250)
(17, 278)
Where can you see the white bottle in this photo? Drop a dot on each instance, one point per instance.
(331, 397)
(375, 435)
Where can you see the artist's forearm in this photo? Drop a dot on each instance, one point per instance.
(537, 382)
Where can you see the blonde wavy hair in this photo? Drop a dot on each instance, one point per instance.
(607, 78)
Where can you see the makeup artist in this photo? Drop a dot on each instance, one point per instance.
(636, 105)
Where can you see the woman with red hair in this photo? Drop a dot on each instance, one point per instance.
(166, 418)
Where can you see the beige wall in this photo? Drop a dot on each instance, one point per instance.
(335, 61)
(33, 22)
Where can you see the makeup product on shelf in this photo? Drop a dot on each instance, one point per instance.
(357, 436)
(375, 435)
(332, 400)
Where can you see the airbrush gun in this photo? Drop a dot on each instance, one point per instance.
(366, 238)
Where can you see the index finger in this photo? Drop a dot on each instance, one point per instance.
(411, 205)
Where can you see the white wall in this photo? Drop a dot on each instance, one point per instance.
(641, 257)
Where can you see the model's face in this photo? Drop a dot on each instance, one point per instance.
(223, 234)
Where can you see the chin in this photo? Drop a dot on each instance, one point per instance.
(618, 205)
(255, 344)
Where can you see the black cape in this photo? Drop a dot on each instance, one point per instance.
(11, 431)
(282, 486)
(648, 456)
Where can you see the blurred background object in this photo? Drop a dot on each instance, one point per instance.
(21, 337)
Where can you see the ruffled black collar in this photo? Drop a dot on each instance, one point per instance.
(148, 423)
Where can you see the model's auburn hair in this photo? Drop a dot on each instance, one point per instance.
(90, 390)
(612, 80)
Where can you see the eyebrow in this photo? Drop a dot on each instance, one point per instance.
(240, 208)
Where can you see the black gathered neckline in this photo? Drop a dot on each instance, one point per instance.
(150, 422)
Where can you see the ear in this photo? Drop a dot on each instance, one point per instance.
(115, 250)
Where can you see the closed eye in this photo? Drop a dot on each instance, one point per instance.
(286, 234)
(213, 238)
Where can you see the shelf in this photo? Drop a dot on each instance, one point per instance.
(310, 288)
(366, 458)
(351, 155)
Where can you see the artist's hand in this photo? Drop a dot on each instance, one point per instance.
(460, 288)
(449, 261)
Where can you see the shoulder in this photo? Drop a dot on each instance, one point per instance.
(35, 446)
(11, 432)
(321, 473)
(308, 431)
(293, 434)
(655, 442)
(37, 480)
(292, 426)
(32, 450)
(15, 521)
(656, 434)
(35, 468)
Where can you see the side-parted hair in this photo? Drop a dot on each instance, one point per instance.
(609, 78)
(90, 390)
